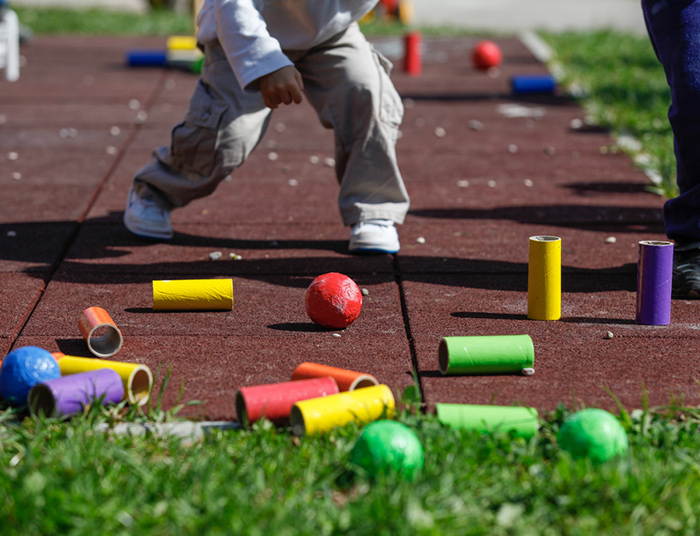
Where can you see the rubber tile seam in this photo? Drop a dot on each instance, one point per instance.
(398, 277)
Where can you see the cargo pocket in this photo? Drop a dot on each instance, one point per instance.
(390, 106)
(194, 142)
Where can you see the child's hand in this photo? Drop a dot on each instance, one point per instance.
(282, 86)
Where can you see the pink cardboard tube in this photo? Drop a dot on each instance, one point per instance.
(274, 401)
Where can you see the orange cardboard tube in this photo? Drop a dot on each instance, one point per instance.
(347, 380)
(101, 333)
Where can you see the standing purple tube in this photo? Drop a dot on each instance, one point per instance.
(68, 395)
(654, 275)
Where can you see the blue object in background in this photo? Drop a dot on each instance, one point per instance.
(527, 83)
(22, 369)
(147, 58)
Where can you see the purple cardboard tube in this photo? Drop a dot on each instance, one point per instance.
(654, 275)
(68, 395)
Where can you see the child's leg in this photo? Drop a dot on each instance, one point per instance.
(348, 83)
(221, 128)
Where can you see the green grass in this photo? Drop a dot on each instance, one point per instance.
(60, 478)
(625, 90)
(60, 21)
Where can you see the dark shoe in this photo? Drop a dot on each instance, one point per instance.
(686, 273)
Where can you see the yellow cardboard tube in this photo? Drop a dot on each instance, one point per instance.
(181, 42)
(319, 415)
(193, 295)
(544, 278)
(137, 379)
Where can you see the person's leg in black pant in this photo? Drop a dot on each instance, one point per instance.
(674, 29)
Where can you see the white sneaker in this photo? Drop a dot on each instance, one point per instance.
(145, 217)
(374, 236)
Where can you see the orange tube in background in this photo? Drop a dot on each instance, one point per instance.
(347, 380)
(101, 333)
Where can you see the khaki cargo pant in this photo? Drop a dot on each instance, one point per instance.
(348, 84)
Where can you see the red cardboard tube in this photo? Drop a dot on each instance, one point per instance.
(412, 60)
(274, 401)
(347, 380)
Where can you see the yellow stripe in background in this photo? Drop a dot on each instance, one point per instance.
(181, 42)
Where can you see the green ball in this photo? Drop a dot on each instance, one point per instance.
(593, 433)
(388, 446)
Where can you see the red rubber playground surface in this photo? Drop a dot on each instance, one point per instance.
(485, 169)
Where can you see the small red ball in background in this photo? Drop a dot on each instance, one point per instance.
(486, 55)
(333, 300)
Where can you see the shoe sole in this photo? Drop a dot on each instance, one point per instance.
(685, 294)
(373, 250)
(152, 236)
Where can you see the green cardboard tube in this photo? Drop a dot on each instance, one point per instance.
(486, 354)
(521, 420)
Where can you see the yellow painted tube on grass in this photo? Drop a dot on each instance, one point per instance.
(319, 415)
(544, 278)
(137, 379)
(193, 295)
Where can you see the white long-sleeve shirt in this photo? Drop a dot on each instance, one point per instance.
(254, 33)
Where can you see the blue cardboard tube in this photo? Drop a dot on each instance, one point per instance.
(533, 83)
(147, 58)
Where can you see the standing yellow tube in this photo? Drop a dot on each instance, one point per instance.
(137, 379)
(319, 415)
(193, 295)
(544, 278)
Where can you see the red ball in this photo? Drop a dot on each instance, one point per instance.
(333, 300)
(486, 55)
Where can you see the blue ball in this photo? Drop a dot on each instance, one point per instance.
(22, 369)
